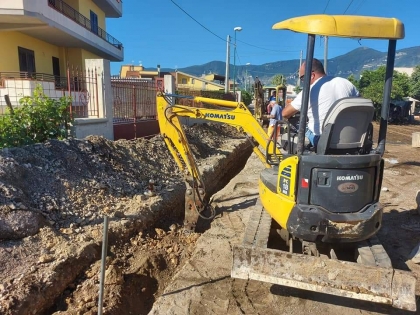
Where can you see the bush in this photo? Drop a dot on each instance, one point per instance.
(38, 119)
(246, 98)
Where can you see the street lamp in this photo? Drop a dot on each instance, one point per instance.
(236, 29)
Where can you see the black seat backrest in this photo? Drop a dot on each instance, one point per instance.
(346, 126)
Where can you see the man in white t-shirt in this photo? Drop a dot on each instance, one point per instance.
(325, 90)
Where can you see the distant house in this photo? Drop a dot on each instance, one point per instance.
(407, 71)
(138, 72)
(206, 83)
(415, 105)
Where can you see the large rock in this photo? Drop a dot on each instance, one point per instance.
(17, 224)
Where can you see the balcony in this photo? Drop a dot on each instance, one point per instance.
(112, 8)
(74, 15)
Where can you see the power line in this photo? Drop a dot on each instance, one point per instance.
(198, 22)
(207, 29)
(348, 6)
(326, 6)
(360, 4)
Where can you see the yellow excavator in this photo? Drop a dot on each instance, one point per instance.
(262, 95)
(323, 205)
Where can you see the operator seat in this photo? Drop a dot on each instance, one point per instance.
(347, 127)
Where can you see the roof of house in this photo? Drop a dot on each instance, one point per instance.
(200, 79)
(214, 76)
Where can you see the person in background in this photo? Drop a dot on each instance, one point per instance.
(275, 115)
(272, 96)
(269, 107)
(270, 99)
(324, 91)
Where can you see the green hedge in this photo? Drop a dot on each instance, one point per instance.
(37, 119)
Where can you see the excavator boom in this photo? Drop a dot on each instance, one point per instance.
(235, 114)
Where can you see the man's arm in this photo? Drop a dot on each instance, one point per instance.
(289, 111)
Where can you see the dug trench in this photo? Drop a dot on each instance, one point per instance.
(54, 197)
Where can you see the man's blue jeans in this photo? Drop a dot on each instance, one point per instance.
(313, 138)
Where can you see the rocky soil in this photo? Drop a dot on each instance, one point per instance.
(53, 200)
(54, 197)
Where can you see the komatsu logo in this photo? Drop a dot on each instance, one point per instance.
(350, 177)
(220, 116)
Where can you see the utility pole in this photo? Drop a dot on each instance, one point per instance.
(227, 64)
(246, 74)
(325, 53)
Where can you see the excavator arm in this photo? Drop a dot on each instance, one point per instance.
(232, 113)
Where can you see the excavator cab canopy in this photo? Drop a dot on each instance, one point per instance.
(345, 26)
(350, 26)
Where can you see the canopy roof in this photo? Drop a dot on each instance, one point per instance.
(345, 26)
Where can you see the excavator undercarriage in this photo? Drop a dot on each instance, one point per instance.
(304, 265)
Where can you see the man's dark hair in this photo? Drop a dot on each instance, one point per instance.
(317, 66)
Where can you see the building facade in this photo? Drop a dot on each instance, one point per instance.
(138, 72)
(205, 83)
(45, 36)
(63, 46)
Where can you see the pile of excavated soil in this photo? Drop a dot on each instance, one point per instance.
(53, 200)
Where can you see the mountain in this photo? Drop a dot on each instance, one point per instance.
(354, 62)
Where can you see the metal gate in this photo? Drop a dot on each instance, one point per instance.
(135, 107)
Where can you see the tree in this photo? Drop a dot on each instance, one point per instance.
(415, 83)
(297, 89)
(278, 79)
(246, 97)
(371, 85)
(353, 80)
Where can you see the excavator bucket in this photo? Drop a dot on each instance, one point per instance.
(351, 280)
(253, 260)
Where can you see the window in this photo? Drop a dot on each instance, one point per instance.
(183, 81)
(192, 81)
(26, 60)
(56, 71)
(94, 22)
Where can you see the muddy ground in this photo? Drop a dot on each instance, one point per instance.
(54, 197)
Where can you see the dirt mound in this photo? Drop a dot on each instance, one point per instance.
(54, 196)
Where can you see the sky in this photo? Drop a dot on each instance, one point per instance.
(182, 33)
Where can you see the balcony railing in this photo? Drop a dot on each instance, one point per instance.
(80, 19)
(72, 83)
